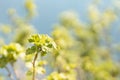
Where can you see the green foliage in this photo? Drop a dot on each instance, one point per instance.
(41, 43)
(9, 53)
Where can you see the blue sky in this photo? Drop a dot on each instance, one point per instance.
(48, 11)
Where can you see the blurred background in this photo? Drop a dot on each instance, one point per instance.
(48, 11)
(102, 16)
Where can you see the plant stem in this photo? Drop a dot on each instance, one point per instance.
(34, 71)
(9, 73)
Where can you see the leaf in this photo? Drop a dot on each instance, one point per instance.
(31, 50)
(49, 45)
(43, 53)
(30, 40)
(3, 62)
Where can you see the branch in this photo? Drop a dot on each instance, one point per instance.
(9, 73)
(34, 71)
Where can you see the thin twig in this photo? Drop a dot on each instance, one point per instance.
(34, 71)
(9, 73)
